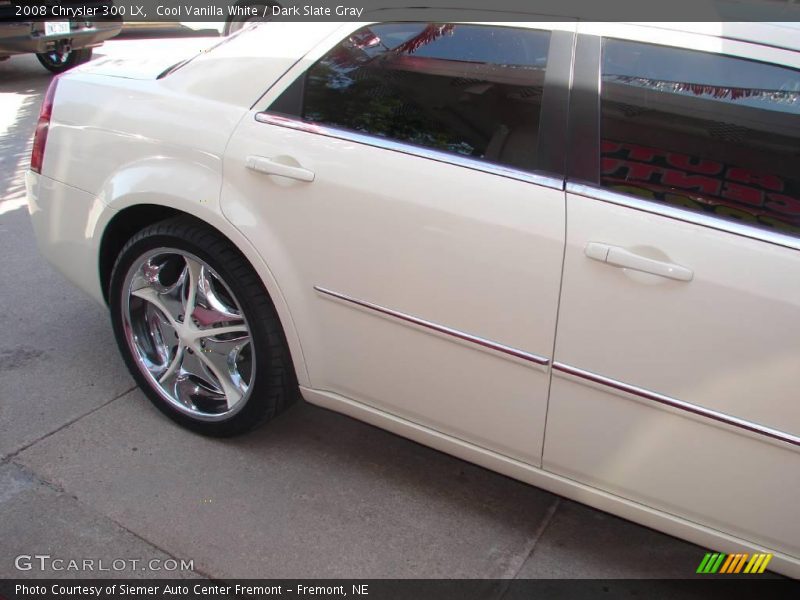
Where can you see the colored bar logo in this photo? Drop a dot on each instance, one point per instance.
(717, 562)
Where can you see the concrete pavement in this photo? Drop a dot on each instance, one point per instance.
(90, 469)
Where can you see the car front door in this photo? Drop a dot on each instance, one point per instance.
(405, 185)
(677, 361)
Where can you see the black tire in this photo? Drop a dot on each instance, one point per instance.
(235, 24)
(274, 385)
(58, 63)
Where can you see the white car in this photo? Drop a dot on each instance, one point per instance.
(566, 252)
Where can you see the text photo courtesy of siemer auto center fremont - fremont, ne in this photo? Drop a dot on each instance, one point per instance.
(399, 300)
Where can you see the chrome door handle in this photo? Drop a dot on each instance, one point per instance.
(273, 167)
(620, 257)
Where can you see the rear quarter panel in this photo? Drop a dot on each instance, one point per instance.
(127, 138)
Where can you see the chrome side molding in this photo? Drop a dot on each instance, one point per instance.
(448, 331)
(559, 367)
(377, 142)
(775, 434)
(680, 214)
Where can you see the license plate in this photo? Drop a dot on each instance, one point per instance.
(56, 27)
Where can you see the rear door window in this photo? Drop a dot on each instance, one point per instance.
(712, 133)
(470, 90)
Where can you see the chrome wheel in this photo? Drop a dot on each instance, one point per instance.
(54, 58)
(188, 334)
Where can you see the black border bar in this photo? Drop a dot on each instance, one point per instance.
(438, 10)
(733, 587)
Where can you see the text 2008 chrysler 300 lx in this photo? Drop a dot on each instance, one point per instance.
(568, 253)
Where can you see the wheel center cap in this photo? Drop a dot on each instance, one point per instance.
(188, 333)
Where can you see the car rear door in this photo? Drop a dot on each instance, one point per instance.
(405, 185)
(677, 360)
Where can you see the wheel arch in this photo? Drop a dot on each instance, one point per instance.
(131, 218)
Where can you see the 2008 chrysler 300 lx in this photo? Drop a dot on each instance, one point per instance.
(566, 252)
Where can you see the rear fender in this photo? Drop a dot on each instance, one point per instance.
(194, 189)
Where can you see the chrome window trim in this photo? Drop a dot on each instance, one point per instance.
(386, 144)
(708, 413)
(680, 214)
(449, 331)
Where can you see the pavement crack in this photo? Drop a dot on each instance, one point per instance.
(146, 541)
(38, 478)
(522, 557)
(60, 490)
(10, 457)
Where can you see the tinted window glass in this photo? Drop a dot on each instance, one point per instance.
(711, 133)
(467, 89)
